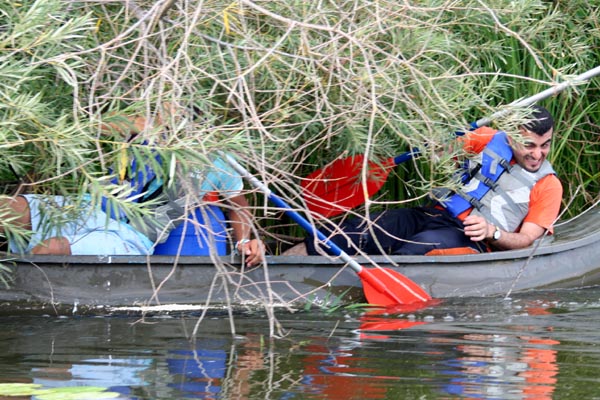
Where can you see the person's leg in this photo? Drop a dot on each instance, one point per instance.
(54, 245)
(95, 234)
(439, 230)
(25, 215)
(381, 236)
(88, 233)
(444, 238)
(103, 242)
(346, 236)
(390, 230)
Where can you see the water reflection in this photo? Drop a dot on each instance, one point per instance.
(504, 367)
(336, 373)
(216, 368)
(114, 374)
(510, 350)
(488, 366)
(199, 372)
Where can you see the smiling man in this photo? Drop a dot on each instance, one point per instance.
(509, 196)
(518, 202)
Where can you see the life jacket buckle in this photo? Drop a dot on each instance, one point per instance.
(490, 183)
(506, 165)
(475, 203)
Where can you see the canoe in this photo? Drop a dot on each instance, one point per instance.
(111, 284)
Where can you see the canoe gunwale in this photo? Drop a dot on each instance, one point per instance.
(571, 234)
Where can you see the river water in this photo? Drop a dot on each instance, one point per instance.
(541, 345)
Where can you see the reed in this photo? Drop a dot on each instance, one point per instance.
(286, 85)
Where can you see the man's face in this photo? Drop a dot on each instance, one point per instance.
(532, 149)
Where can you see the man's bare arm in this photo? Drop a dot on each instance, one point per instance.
(478, 229)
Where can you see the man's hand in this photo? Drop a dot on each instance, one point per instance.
(477, 228)
(253, 251)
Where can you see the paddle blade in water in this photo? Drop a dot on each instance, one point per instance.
(338, 187)
(386, 287)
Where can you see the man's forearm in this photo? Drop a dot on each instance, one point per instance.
(517, 240)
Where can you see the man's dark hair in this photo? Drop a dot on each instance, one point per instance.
(540, 121)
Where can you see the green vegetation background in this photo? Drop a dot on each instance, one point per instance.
(288, 86)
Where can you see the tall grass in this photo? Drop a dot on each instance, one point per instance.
(565, 39)
(288, 86)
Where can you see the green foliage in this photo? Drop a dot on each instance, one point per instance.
(287, 86)
(63, 393)
(5, 274)
(38, 76)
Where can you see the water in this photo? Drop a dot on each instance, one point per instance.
(543, 345)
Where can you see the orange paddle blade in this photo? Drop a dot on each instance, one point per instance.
(366, 329)
(338, 187)
(375, 312)
(386, 287)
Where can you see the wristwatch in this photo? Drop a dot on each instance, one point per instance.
(237, 245)
(497, 233)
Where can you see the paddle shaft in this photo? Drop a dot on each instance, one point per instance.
(363, 273)
(519, 103)
(540, 96)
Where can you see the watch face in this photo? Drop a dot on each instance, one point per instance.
(497, 234)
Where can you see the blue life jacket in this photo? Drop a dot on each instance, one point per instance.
(140, 180)
(495, 160)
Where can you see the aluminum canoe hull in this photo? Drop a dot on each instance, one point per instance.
(570, 259)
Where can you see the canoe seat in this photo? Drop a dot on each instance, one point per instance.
(454, 251)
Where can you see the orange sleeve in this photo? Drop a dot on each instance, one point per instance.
(544, 202)
(474, 142)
